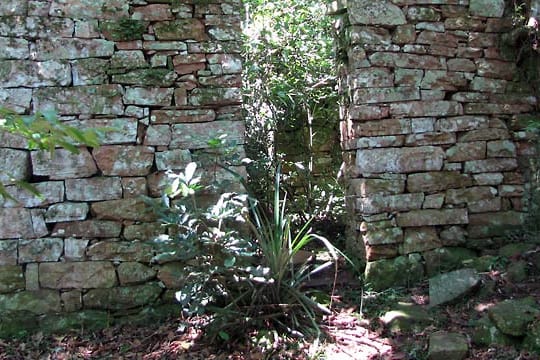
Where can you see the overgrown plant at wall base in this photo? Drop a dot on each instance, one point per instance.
(240, 264)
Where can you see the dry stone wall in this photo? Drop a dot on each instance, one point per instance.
(430, 129)
(166, 76)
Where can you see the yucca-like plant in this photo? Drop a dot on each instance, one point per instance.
(244, 279)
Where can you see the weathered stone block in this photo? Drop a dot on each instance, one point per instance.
(146, 77)
(63, 164)
(215, 96)
(128, 59)
(430, 182)
(429, 217)
(383, 127)
(470, 195)
(71, 300)
(366, 187)
(123, 209)
(365, 12)
(434, 138)
(149, 96)
(8, 252)
(461, 123)
(484, 135)
(385, 95)
(89, 71)
(184, 29)
(182, 116)
(409, 61)
(122, 297)
(93, 189)
(124, 160)
(392, 235)
(40, 250)
(35, 302)
(369, 78)
(51, 192)
(11, 279)
(13, 7)
(98, 99)
(77, 275)
(31, 277)
(113, 131)
(484, 84)
(66, 212)
(15, 165)
(14, 48)
(173, 159)
(395, 160)
(369, 35)
(88, 229)
(502, 148)
(427, 108)
(143, 232)
(197, 135)
(375, 204)
(490, 165)
(133, 272)
(134, 187)
(21, 223)
(153, 12)
(158, 135)
(487, 8)
(401, 271)
(466, 152)
(63, 48)
(17, 100)
(120, 251)
(90, 9)
(75, 249)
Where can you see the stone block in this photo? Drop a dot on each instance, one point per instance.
(71, 300)
(197, 135)
(490, 165)
(77, 275)
(13, 7)
(17, 100)
(35, 302)
(149, 96)
(93, 189)
(14, 48)
(123, 209)
(134, 187)
(215, 96)
(21, 223)
(88, 229)
(470, 195)
(146, 77)
(15, 165)
(419, 240)
(8, 252)
(75, 249)
(392, 235)
(158, 135)
(66, 211)
(383, 127)
(40, 250)
(486, 205)
(230, 63)
(369, 35)
(130, 273)
(128, 59)
(182, 116)
(173, 159)
(144, 231)
(487, 8)
(401, 271)
(69, 49)
(120, 251)
(153, 12)
(122, 130)
(183, 29)
(484, 135)
(95, 99)
(375, 204)
(447, 346)
(120, 298)
(369, 78)
(11, 279)
(365, 12)
(385, 95)
(446, 259)
(51, 192)
(466, 152)
(404, 160)
(31, 276)
(461, 123)
(501, 148)
(118, 160)
(90, 9)
(367, 187)
(408, 61)
(432, 217)
(63, 164)
(496, 69)
(430, 182)
(465, 65)
(91, 71)
(427, 108)
(433, 138)
(406, 77)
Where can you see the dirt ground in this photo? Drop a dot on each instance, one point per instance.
(353, 331)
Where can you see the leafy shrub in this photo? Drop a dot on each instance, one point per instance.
(240, 260)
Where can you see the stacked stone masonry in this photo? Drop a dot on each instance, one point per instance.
(434, 154)
(166, 76)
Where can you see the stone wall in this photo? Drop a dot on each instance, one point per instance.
(430, 129)
(165, 74)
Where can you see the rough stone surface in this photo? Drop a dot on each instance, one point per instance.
(513, 316)
(77, 275)
(446, 287)
(447, 346)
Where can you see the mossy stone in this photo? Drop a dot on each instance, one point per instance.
(123, 29)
